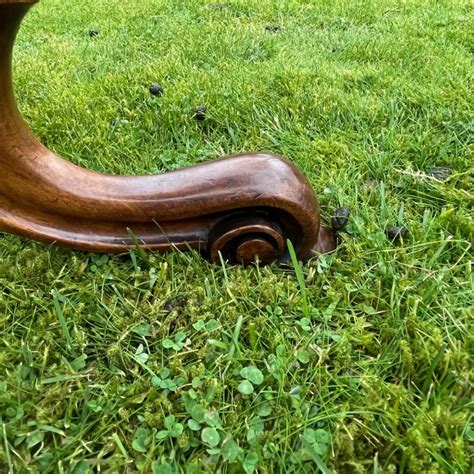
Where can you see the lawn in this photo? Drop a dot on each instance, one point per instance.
(167, 364)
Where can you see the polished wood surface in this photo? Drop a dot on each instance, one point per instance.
(241, 207)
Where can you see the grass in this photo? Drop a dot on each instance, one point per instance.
(358, 362)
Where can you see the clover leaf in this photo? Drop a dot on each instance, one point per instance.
(253, 374)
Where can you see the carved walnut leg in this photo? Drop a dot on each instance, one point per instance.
(244, 206)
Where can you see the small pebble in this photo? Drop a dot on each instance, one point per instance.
(340, 218)
(156, 90)
(93, 33)
(200, 114)
(396, 233)
(440, 173)
(273, 28)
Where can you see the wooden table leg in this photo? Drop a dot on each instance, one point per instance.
(243, 206)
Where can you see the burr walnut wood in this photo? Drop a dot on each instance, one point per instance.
(241, 207)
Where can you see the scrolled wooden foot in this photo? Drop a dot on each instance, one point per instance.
(241, 208)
